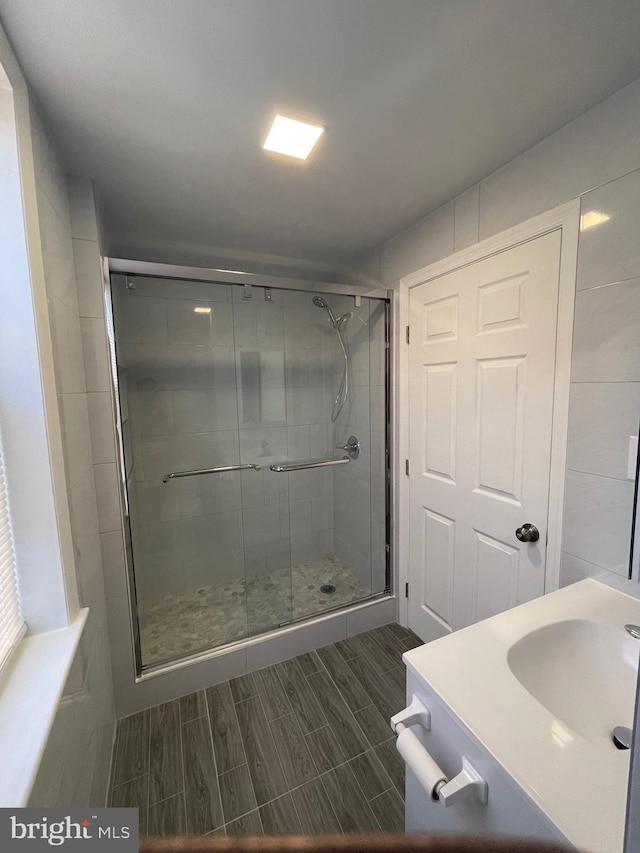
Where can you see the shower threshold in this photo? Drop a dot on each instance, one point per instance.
(212, 616)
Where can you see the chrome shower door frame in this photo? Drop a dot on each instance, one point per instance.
(211, 276)
(123, 496)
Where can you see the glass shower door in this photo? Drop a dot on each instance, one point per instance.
(245, 510)
(198, 393)
(258, 321)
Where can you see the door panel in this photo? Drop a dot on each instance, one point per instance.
(481, 400)
(440, 420)
(441, 320)
(438, 537)
(500, 399)
(495, 576)
(502, 305)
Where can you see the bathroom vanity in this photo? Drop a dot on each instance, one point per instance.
(509, 722)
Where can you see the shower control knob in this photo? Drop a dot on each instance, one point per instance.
(528, 533)
(352, 447)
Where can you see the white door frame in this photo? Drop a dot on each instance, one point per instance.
(566, 217)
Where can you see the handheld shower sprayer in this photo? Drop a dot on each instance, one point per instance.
(338, 325)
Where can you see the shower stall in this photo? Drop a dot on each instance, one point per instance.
(254, 452)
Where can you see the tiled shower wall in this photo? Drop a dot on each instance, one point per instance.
(238, 381)
(596, 158)
(359, 488)
(308, 339)
(605, 385)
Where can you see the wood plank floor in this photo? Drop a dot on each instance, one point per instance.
(300, 747)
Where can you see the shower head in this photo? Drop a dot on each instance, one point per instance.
(338, 325)
(320, 302)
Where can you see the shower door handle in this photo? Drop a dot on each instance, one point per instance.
(223, 469)
(285, 467)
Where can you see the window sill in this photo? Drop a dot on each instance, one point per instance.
(30, 692)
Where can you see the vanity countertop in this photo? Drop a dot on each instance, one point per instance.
(541, 686)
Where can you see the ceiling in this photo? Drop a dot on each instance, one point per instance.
(166, 103)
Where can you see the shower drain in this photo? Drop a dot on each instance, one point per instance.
(327, 588)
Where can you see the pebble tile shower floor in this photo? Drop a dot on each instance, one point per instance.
(301, 747)
(221, 613)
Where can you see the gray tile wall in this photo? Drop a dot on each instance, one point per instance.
(247, 381)
(75, 766)
(359, 488)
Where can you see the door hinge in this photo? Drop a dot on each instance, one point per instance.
(406, 467)
(406, 590)
(408, 334)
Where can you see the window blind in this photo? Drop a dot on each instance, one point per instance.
(12, 626)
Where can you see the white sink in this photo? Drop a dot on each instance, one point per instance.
(541, 687)
(583, 672)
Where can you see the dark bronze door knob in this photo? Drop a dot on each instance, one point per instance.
(528, 533)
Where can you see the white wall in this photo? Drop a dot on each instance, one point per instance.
(56, 463)
(597, 158)
(601, 145)
(75, 767)
(604, 408)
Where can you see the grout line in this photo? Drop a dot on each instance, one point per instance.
(355, 719)
(329, 800)
(590, 563)
(391, 785)
(601, 476)
(166, 799)
(288, 713)
(320, 776)
(313, 761)
(244, 752)
(131, 779)
(148, 765)
(259, 698)
(192, 719)
(114, 764)
(181, 743)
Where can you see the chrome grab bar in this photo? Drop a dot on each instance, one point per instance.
(221, 470)
(282, 467)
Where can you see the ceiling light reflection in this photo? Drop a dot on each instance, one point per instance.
(592, 218)
(560, 734)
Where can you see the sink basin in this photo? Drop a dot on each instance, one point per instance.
(583, 672)
(541, 687)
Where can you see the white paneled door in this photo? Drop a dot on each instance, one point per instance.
(481, 362)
